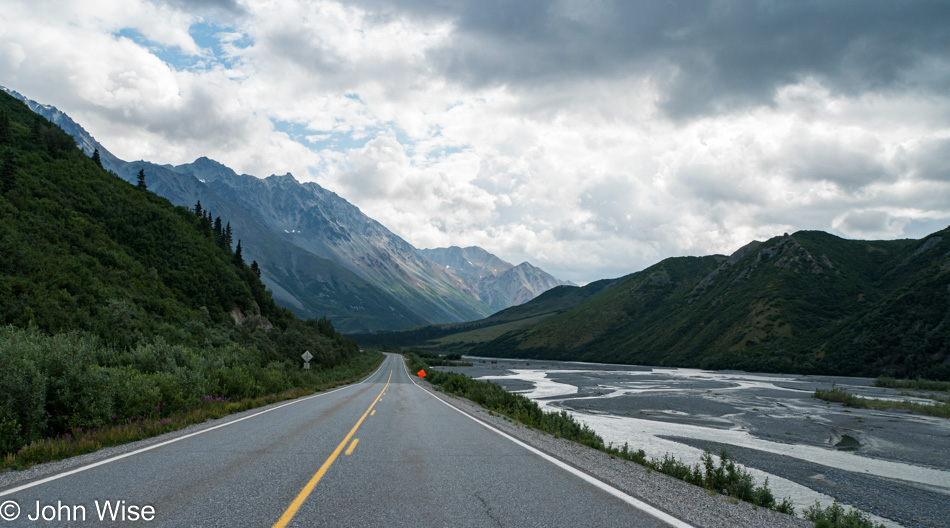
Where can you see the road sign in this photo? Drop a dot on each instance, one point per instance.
(421, 373)
(307, 356)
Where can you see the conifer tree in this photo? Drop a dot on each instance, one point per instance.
(218, 229)
(238, 258)
(228, 236)
(198, 209)
(256, 269)
(96, 158)
(141, 184)
(208, 225)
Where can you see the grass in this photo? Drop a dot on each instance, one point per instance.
(939, 409)
(80, 441)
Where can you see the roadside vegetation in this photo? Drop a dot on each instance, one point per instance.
(67, 394)
(835, 516)
(940, 408)
(725, 478)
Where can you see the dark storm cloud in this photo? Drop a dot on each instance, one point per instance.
(705, 57)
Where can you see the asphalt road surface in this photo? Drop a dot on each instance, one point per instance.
(383, 452)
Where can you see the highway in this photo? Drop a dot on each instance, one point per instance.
(383, 452)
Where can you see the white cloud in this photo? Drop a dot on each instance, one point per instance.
(591, 142)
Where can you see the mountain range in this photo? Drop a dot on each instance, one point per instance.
(809, 302)
(319, 254)
(496, 282)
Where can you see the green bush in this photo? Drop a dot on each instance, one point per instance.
(834, 516)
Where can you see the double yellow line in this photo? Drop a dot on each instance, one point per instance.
(305, 492)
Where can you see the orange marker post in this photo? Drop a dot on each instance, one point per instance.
(421, 373)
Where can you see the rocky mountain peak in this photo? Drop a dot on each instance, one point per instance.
(495, 281)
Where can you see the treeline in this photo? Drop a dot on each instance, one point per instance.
(114, 304)
(416, 336)
(433, 359)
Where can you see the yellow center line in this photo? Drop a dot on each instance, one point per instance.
(349, 450)
(305, 492)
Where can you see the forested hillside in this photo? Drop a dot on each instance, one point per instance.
(114, 303)
(809, 302)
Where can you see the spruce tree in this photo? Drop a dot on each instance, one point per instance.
(141, 184)
(256, 269)
(207, 225)
(238, 258)
(198, 209)
(228, 236)
(96, 158)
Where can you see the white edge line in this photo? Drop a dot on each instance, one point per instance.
(633, 501)
(173, 440)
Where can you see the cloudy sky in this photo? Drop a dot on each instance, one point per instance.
(592, 138)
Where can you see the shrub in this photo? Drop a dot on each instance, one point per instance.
(834, 516)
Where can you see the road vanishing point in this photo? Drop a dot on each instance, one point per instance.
(382, 452)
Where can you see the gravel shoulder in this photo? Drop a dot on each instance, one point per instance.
(684, 501)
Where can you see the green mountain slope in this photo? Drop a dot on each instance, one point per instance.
(809, 302)
(462, 337)
(114, 303)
